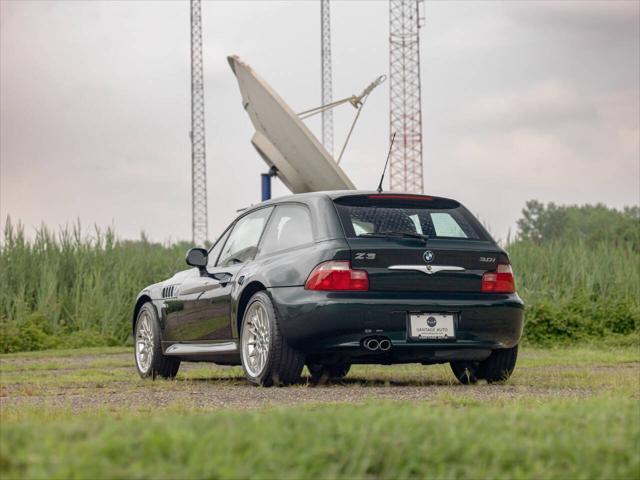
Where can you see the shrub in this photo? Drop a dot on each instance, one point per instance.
(576, 292)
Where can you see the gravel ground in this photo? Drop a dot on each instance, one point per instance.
(110, 381)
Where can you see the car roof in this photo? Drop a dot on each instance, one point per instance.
(317, 202)
(335, 194)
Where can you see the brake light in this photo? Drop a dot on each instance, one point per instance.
(337, 275)
(403, 197)
(499, 281)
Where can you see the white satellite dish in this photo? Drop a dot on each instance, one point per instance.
(283, 141)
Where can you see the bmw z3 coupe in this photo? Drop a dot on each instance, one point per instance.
(332, 279)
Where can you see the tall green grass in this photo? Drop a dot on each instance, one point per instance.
(72, 288)
(578, 291)
(69, 288)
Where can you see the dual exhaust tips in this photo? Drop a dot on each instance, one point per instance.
(377, 344)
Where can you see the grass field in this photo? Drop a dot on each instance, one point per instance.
(569, 412)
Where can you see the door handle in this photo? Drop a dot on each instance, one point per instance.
(199, 287)
(222, 277)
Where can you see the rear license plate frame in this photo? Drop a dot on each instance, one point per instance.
(447, 320)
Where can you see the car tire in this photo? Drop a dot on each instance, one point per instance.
(267, 358)
(149, 359)
(321, 373)
(499, 366)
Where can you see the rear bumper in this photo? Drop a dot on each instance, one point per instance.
(322, 322)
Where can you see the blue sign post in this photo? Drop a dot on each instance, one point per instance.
(266, 183)
(266, 186)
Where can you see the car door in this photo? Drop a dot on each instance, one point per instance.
(186, 313)
(206, 314)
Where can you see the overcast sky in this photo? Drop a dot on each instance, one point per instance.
(521, 100)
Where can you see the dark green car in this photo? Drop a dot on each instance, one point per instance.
(331, 279)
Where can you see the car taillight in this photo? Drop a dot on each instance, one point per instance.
(499, 281)
(337, 275)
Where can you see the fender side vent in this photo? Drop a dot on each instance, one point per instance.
(168, 292)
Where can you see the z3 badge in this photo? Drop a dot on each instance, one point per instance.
(364, 256)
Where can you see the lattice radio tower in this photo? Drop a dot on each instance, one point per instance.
(327, 115)
(198, 157)
(405, 171)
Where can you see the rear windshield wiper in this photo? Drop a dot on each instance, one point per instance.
(419, 236)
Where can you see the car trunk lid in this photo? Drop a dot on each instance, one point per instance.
(411, 265)
(451, 253)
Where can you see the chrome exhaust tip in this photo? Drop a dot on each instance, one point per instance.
(384, 344)
(371, 344)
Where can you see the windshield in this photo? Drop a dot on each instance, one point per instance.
(362, 216)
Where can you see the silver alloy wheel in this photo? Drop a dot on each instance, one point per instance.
(256, 339)
(144, 342)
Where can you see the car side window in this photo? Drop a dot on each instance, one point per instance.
(214, 253)
(242, 244)
(289, 227)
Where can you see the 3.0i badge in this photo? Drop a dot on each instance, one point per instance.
(428, 256)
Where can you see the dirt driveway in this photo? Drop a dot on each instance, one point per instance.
(106, 378)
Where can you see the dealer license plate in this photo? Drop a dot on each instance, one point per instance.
(427, 326)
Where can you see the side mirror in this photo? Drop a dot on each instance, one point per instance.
(197, 257)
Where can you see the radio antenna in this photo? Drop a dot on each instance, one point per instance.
(393, 137)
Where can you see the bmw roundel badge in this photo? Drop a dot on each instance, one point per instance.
(428, 256)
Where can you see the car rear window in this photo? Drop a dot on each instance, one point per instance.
(436, 218)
